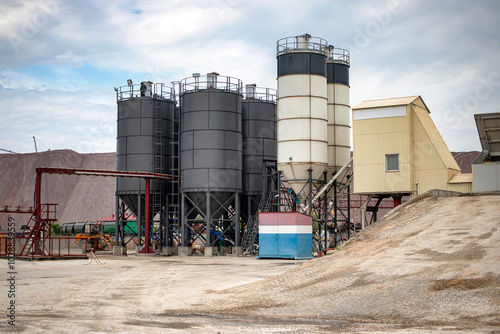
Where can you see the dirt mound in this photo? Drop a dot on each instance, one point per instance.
(465, 159)
(78, 197)
(433, 262)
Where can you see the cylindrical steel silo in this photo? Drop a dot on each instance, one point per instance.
(143, 142)
(339, 140)
(210, 142)
(302, 110)
(259, 143)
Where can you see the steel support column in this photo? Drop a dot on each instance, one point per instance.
(236, 219)
(279, 191)
(349, 211)
(147, 219)
(139, 220)
(166, 235)
(335, 217)
(117, 222)
(325, 210)
(183, 221)
(309, 180)
(208, 221)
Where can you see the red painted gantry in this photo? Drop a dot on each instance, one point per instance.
(17, 209)
(96, 172)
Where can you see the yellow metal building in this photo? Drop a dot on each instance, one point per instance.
(398, 150)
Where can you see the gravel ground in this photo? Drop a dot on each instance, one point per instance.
(433, 266)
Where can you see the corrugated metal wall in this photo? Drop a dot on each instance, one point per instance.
(424, 157)
(372, 140)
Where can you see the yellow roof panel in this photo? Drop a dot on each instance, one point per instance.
(392, 102)
(461, 178)
(437, 140)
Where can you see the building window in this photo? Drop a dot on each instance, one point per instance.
(392, 162)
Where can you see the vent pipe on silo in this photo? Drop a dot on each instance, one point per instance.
(212, 80)
(250, 91)
(302, 41)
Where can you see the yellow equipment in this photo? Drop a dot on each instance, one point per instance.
(94, 237)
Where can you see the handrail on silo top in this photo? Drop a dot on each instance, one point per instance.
(261, 94)
(303, 43)
(338, 55)
(145, 89)
(211, 81)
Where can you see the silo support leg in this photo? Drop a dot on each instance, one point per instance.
(183, 249)
(237, 250)
(209, 250)
(139, 224)
(166, 248)
(363, 212)
(147, 222)
(118, 247)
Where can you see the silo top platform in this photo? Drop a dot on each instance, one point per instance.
(302, 43)
(340, 56)
(260, 94)
(145, 89)
(211, 81)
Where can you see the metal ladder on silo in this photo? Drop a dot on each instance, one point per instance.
(174, 170)
(158, 163)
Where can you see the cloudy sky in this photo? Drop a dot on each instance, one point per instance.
(60, 59)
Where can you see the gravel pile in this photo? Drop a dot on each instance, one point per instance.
(434, 262)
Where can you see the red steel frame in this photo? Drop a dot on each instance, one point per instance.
(18, 209)
(95, 172)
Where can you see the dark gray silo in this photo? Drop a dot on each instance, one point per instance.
(259, 143)
(210, 158)
(143, 142)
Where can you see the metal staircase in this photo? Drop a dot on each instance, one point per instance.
(38, 231)
(251, 234)
(252, 229)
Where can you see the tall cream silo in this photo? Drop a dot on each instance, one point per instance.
(302, 110)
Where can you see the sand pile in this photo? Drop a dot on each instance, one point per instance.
(79, 197)
(434, 262)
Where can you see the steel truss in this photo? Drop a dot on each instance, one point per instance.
(221, 228)
(327, 202)
(43, 224)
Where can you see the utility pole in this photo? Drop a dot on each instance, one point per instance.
(34, 140)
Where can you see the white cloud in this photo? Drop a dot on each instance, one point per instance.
(441, 51)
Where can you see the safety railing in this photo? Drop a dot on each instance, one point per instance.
(260, 93)
(147, 89)
(11, 246)
(303, 43)
(338, 55)
(211, 81)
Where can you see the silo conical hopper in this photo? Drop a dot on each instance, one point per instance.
(302, 110)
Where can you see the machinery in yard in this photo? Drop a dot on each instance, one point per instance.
(94, 237)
